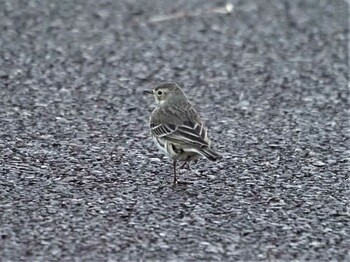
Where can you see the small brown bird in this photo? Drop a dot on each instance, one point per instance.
(176, 127)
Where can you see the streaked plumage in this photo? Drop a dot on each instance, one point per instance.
(176, 127)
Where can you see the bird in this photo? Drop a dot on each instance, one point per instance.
(177, 128)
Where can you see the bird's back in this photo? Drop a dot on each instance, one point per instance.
(176, 114)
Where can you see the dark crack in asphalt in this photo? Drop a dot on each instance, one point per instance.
(80, 177)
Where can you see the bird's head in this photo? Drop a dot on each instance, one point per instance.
(167, 91)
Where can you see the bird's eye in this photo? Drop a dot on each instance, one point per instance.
(160, 93)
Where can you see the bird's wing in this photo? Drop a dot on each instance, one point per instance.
(186, 133)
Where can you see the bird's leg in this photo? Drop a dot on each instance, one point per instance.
(177, 182)
(175, 179)
(183, 166)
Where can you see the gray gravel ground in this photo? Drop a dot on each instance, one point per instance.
(80, 177)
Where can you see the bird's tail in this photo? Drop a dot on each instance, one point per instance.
(209, 154)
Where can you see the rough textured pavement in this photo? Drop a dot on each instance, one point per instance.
(80, 177)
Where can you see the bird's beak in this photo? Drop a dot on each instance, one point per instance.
(147, 92)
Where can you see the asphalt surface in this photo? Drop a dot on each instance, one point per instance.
(80, 177)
